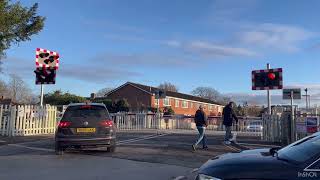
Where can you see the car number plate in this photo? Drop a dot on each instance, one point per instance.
(86, 130)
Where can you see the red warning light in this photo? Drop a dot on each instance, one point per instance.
(271, 76)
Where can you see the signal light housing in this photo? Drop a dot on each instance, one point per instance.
(267, 79)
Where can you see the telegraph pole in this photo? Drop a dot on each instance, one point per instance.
(268, 94)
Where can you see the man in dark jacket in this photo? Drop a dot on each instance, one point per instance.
(228, 115)
(200, 119)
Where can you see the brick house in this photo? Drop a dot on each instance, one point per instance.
(141, 97)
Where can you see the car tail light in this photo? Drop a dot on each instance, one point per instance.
(64, 124)
(106, 123)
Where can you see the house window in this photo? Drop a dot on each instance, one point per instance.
(191, 104)
(177, 103)
(166, 102)
(210, 107)
(156, 102)
(184, 104)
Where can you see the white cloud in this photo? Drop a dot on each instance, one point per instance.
(211, 50)
(305, 85)
(276, 99)
(92, 72)
(173, 43)
(275, 36)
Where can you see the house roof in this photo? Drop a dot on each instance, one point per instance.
(151, 90)
(6, 101)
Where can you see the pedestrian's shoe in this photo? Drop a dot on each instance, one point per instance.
(205, 148)
(227, 142)
(193, 147)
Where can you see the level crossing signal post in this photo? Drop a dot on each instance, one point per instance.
(47, 63)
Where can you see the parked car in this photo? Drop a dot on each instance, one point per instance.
(254, 127)
(85, 125)
(299, 160)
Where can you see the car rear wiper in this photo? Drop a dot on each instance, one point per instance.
(274, 152)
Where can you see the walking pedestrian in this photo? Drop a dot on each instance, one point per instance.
(200, 118)
(228, 115)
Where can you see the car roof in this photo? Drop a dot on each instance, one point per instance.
(317, 134)
(83, 104)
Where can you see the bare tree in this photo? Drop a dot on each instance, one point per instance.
(210, 93)
(168, 87)
(18, 90)
(102, 92)
(3, 88)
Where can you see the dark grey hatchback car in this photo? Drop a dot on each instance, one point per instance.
(299, 160)
(85, 125)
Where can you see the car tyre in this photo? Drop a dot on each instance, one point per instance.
(58, 149)
(111, 149)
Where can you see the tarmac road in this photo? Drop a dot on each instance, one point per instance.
(138, 156)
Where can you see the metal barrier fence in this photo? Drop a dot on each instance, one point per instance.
(140, 121)
(24, 120)
(286, 129)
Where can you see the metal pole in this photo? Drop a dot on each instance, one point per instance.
(306, 98)
(269, 96)
(41, 95)
(158, 111)
(293, 120)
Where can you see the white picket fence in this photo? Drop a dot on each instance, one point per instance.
(25, 120)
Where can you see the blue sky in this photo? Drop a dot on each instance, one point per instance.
(188, 43)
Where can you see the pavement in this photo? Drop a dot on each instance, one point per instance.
(157, 155)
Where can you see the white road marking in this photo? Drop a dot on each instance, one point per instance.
(1, 141)
(180, 178)
(194, 170)
(141, 139)
(32, 148)
(133, 139)
(231, 147)
(21, 145)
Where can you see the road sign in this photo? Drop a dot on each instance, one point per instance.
(267, 79)
(47, 59)
(312, 124)
(301, 127)
(160, 94)
(45, 76)
(286, 93)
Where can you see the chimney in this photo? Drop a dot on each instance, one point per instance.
(93, 96)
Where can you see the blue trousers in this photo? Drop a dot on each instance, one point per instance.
(202, 136)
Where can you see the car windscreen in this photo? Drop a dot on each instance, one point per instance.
(302, 150)
(86, 111)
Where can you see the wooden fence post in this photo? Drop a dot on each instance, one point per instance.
(11, 127)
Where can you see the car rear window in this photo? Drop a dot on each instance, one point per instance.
(86, 111)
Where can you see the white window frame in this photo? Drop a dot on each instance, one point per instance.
(184, 104)
(156, 101)
(166, 100)
(191, 104)
(177, 102)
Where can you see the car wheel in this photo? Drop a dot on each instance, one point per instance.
(58, 149)
(111, 149)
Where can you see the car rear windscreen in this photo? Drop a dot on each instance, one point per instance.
(86, 111)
